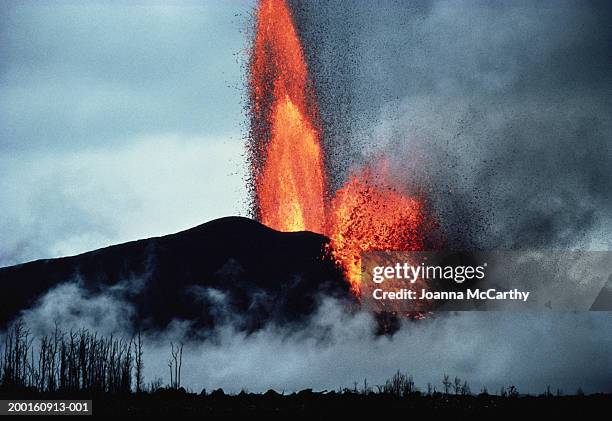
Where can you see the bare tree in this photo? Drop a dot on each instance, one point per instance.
(138, 362)
(77, 360)
(175, 364)
(457, 385)
(446, 383)
(366, 388)
(16, 369)
(400, 385)
(171, 373)
(465, 389)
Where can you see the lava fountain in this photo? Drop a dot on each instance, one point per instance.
(287, 163)
(289, 178)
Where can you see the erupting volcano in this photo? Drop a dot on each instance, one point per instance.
(288, 165)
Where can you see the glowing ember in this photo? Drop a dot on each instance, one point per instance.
(290, 182)
(367, 215)
(287, 162)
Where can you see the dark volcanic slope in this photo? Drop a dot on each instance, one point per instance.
(236, 264)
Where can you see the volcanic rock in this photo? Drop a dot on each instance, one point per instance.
(231, 267)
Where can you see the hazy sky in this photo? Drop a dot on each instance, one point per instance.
(117, 121)
(120, 120)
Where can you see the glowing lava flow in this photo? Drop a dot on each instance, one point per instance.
(290, 182)
(287, 161)
(367, 214)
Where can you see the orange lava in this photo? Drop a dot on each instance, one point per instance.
(290, 184)
(366, 214)
(287, 161)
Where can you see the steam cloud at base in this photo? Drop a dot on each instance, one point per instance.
(337, 347)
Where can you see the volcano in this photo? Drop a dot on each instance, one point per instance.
(230, 266)
(309, 239)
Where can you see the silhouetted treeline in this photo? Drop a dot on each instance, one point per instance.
(84, 361)
(70, 361)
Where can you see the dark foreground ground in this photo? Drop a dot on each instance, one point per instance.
(170, 403)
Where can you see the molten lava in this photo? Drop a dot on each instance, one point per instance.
(366, 214)
(290, 181)
(287, 163)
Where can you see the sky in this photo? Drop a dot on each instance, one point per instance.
(118, 121)
(126, 120)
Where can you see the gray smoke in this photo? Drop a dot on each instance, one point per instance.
(337, 347)
(498, 112)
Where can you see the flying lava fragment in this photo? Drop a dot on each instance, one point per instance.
(288, 165)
